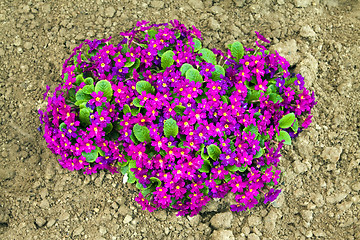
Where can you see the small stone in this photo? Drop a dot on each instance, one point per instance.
(110, 12)
(302, 3)
(253, 236)
(64, 216)
(222, 220)
(40, 221)
(288, 50)
(167, 230)
(356, 186)
(332, 154)
(307, 31)
(213, 24)
(222, 235)
(217, 9)
(102, 230)
(123, 210)
(28, 45)
(194, 221)
(254, 220)
(307, 215)
(280, 2)
(239, 3)
(78, 230)
(44, 204)
(6, 174)
(157, 4)
(318, 199)
(17, 41)
(270, 221)
(196, 4)
(127, 219)
(50, 223)
(299, 167)
(160, 215)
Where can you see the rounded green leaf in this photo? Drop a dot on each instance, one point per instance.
(219, 70)
(295, 126)
(91, 156)
(142, 133)
(144, 86)
(194, 75)
(237, 50)
(126, 109)
(156, 181)
(62, 126)
(213, 151)
(284, 136)
(259, 153)
(79, 79)
(89, 81)
(287, 120)
(206, 167)
(105, 87)
(197, 45)
(167, 59)
(108, 128)
(170, 128)
(136, 102)
(88, 89)
(184, 68)
(81, 96)
(208, 55)
(179, 109)
(84, 116)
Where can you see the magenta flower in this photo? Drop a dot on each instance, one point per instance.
(97, 99)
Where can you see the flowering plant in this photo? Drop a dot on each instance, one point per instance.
(183, 122)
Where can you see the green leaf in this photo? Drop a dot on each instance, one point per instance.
(167, 59)
(108, 128)
(179, 109)
(136, 102)
(135, 111)
(80, 95)
(287, 120)
(234, 168)
(156, 181)
(227, 178)
(194, 75)
(284, 136)
(152, 33)
(125, 48)
(197, 45)
(89, 81)
(170, 128)
(218, 181)
(275, 97)
(208, 55)
(126, 109)
(124, 169)
(84, 116)
(131, 177)
(206, 167)
(79, 79)
(133, 138)
(224, 98)
(259, 153)
(144, 86)
(105, 87)
(253, 129)
(129, 63)
(72, 97)
(219, 70)
(213, 151)
(184, 68)
(252, 95)
(91, 156)
(237, 50)
(62, 126)
(295, 126)
(88, 89)
(142, 133)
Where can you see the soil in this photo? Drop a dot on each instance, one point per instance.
(320, 182)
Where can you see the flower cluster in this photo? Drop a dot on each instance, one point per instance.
(183, 122)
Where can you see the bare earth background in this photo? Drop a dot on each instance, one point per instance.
(321, 188)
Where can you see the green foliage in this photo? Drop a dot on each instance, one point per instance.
(208, 55)
(259, 153)
(237, 50)
(80, 95)
(126, 109)
(84, 116)
(144, 86)
(287, 120)
(219, 70)
(197, 45)
(206, 167)
(167, 59)
(156, 181)
(105, 87)
(89, 81)
(91, 156)
(295, 126)
(179, 109)
(252, 128)
(184, 68)
(141, 133)
(213, 151)
(88, 89)
(136, 102)
(194, 75)
(170, 128)
(284, 136)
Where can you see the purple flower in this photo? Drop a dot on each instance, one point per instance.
(271, 195)
(261, 37)
(97, 99)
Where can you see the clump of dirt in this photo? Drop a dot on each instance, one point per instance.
(321, 187)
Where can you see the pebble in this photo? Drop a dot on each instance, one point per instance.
(217, 9)
(50, 223)
(160, 215)
(213, 24)
(17, 41)
(102, 230)
(270, 221)
(254, 220)
(77, 231)
(64, 216)
(157, 4)
(40, 222)
(288, 50)
(194, 221)
(253, 236)
(110, 12)
(332, 154)
(28, 45)
(309, 69)
(222, 235)
(127, 219)
(356, 186)
(318, 199)
(222, 220)
(196, 4)
(302, 3)
(6, 174)
(307, 31)
(307, 215)
(44, 204)
(299, 167)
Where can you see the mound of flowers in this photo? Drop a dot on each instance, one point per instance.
(182, 122)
